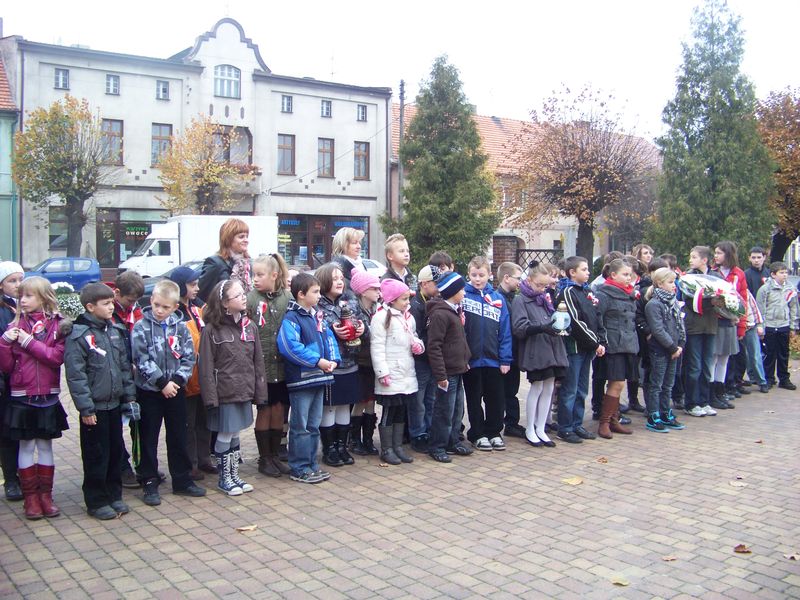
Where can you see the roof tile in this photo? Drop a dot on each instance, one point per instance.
(6, 100)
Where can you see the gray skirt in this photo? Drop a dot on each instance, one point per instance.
(725, 342)
(232, 417)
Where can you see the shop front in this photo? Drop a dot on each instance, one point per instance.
(120, 231)
(305, 240)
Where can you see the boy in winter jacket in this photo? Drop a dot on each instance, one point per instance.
(419, 414)
(164, 357)
(488, 329)
(777, 300)
(509, 275)
(101, 384)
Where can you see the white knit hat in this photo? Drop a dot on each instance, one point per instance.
(9, 267)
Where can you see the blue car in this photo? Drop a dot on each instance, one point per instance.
(74, 270)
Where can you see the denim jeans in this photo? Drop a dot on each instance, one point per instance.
(448, 412)
(511, 389)
(697, 363)
(755, 361)
(777, 354)
(420, 411)
(662, 378)
(304, 419)
(572, 395)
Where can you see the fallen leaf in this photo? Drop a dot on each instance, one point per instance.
(572, 481)
(669, 558)
(770, 412)
(619, 580)
(739, 477)
(383, 465)
(759, 441)
(792, 556)
(602, 459)
(247, 528)
(739, 484)
(742, 549)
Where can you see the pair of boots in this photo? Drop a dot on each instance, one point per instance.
(334, 445)
(269, 443)
(392, 444)
(609, 418)
(229, 480)
(362, 428)
(36, 482)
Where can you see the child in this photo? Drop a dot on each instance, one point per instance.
(198, 437)
(101, 384)
(421, 409)
(266, 306)
(541, 354)
(309, 347)
(586, 341)
(754, 364)
(488, 332)
(448, 354)
(397, 259)
(232, 377)
(335, 424)
(442, 261)
(163, 357)
(510, 276)
(11, 275)
(367, 288)
(667, 338)
(617, 310)
(394, 345)
(777, 300)
(32, 351)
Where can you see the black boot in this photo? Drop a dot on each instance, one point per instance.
(598, 391)
(387, 451)
(341, 432)
(265, 464)
(275, 436)
(367, 433)
(633, 397)
(398, 430)
(9, 450)
(330, 454)
(356, 446)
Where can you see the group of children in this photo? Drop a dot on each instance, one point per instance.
(320, 351)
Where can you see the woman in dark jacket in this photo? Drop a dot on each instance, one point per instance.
(346, 251)
(11, 275)
(231, 260)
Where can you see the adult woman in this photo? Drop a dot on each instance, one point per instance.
(643, 253)
(346, 250)
(231, 260)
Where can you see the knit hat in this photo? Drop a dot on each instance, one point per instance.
(426, 274)
(182, 276)
(450, 284)
(9, 268)
(361, 281)
(391, 290)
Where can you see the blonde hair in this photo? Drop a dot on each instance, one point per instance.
(479, 262)
(168, 290)
(343, 238)
(275, 264)
(393, 239)
(659, 276)
(507, 268)
(41, 288)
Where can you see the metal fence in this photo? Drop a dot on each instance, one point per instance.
(526, 256)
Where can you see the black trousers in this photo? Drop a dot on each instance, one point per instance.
(101, 449)
(484, 385)
(172, 412)
(776, 342)
(9, 449)
(511, 389)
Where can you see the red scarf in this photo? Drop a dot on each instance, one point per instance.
(628, 289)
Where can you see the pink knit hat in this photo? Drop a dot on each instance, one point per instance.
(361, 281)
(391, 290)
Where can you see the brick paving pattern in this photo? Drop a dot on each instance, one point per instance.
(502, 524)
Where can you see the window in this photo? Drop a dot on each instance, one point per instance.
(162, 90)
(58, 228)
(163, 248)
(326, 109)
(361, 160)
(60, 265)
(285, 154)
(286, 104)
(160, 142)
(361, 112)
(112, 85)
(62, 79)
(112, 141)
(81, 264)
(325, 157)
(226, 81)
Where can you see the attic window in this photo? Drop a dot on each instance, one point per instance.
(226, 81)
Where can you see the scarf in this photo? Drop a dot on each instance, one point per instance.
(541, 299)
(668, 298)
(241, 271)
(566, 282)
(628, 289)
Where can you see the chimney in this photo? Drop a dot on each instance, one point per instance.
(1, 27)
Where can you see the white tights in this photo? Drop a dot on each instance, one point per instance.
(226, 440)
(537, 408)
(26, 447)
(719, 368)
(335, 414)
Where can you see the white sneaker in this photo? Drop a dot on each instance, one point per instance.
(696, 411)
(483, 444)
(497, 443)
(707, 410)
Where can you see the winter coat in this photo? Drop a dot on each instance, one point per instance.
(96, 362)
(617, 311)
(756, 278)
(666, 330)
(417, 308)
(232, 368)
(737, 278)
(391, 351)
(333, 314)
(214, 269)
(508, 297)
(267, 312)
(162, 352)
(346, 267)
(35, 366)
(538, 350)
(364, 358)
(448, 350)
(778, 305)
(704, 322)
(586, 333)
(488, 327)
(410, 279)
(7, 314)
(193, 317)
(302, 345)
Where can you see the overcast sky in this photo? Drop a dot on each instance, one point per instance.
(511, 53)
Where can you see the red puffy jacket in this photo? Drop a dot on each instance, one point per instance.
(35, 367)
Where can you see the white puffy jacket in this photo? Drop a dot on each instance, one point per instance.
(391, 351)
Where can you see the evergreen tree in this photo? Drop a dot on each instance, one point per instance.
(716, 171)
(450, 200)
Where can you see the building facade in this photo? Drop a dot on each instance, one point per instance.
(9, 214)
(319, 150)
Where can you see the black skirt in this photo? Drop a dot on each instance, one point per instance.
(550, 372)
(26, 422)
(622, 367)
(345, 390)
(366, 381)
(277, 393)
(394, 399)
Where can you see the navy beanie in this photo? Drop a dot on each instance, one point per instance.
(182, 276)
(449, 284)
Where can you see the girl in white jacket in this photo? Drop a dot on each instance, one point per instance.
(394, 344)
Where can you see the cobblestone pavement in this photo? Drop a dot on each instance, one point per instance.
(657, 512)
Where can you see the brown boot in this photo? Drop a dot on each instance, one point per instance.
(614, 424)
(275, 436)
(604, 429)
(265, 466)
(29, 482)
(46, 475)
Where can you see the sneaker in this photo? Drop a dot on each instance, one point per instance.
(584, 434)
(514, 430)
(697, 411)
(193, 490)
(420, 444)
(460, 449)
(708, 411)
(323, 475)
(12, 490)
(743, 390)
(129, 480)
(787, 385)
(120, 507)
(440, 456)
(670, 421)
(654, 423)
(151, 496)
(497, 443)
(764, 389)
(305, 477)
(623, 420)
(104, 513)
(483, 444)
(719, 404)
(570, 437)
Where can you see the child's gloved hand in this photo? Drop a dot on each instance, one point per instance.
(417, 348)
(386, 380)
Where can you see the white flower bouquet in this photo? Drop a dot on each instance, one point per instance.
(696, 287)
(69, 303)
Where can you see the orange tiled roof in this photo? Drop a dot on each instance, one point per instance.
(6, 100)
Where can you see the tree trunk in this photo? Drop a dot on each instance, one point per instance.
(585, 242)
(75, 222)
(781, 240)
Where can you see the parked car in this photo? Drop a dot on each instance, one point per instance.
(150, 282)
(74, 270)
(373, 266)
